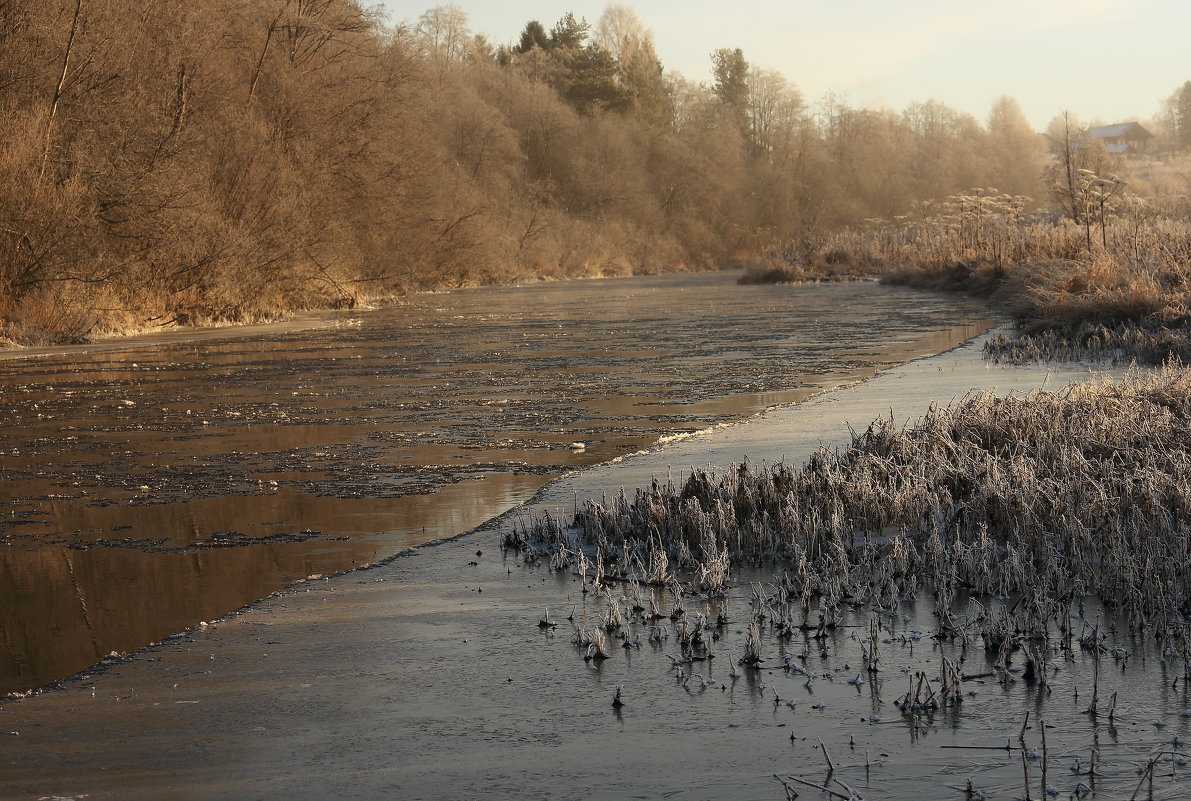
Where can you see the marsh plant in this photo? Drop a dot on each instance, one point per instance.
(1108, 279)
(1043, 498)
(752, 646)
(597, 646)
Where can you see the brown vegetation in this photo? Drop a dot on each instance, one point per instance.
(171, 162)
(1110, 279)
(1104, 274)
(794, 271)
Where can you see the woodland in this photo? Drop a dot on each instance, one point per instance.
(180, 162)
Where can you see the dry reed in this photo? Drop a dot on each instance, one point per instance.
(1115, 286)
(1045, 498)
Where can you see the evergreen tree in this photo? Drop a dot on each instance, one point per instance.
(568, 33)
(730, 71)
(594, 81)
(533, 35)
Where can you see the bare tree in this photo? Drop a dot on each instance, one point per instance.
(1015, 149)
(60, 85)
(445, 37)
(775, 111)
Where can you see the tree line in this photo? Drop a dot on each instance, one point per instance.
(183, 161)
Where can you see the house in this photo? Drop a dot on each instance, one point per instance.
(1128, 138)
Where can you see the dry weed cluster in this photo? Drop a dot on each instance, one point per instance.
(1116, 344)
(1046, 498)
(1115, 284)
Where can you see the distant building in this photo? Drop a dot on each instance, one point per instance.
(1128, 138)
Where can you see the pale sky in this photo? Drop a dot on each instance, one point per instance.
(1103, 60)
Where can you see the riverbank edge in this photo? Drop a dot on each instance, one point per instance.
(291, 320)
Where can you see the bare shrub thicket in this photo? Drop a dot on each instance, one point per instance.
(177, 162)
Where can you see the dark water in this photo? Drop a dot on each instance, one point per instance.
(154, 485)
(429, 679)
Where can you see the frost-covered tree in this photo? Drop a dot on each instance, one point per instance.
(1014, 149)
(1179, 109)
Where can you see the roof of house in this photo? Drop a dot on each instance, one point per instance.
(1119, 129)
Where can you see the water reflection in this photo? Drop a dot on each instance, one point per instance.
(173, 479)
(76, 605)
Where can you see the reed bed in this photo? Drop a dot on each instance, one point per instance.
(781, 269)
(1091, 342)
(1124, 267)
(1044, 498)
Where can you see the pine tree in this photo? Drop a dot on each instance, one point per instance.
(731, 86)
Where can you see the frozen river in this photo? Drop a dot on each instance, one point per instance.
(151, 484)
